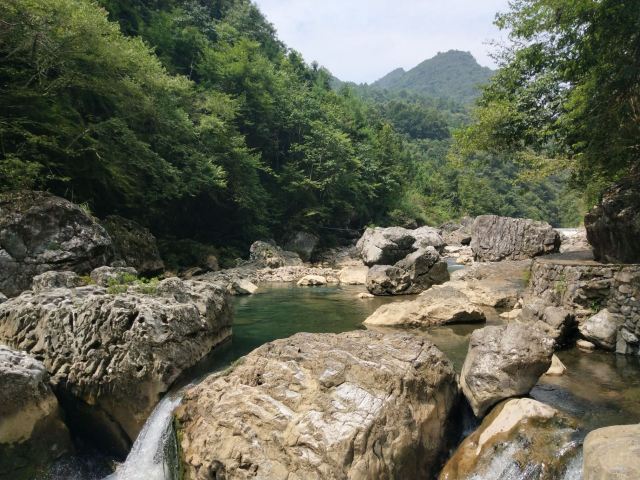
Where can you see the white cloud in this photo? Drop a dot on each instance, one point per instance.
(362, 40)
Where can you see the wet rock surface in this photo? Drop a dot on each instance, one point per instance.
(612, 453)
(112, 356)
(613, 226)
(441, 305)
(41, 232)
(503, 238)
(134, 244)
(520, 438)
(502, 362)
(316, 406)
(32, 433)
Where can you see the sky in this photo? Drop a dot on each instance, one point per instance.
(362, 40)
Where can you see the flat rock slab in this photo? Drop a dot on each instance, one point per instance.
(356, 405)
(440, 305)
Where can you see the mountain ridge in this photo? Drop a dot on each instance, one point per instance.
(451, 74)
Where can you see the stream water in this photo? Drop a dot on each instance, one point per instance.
(599, 389)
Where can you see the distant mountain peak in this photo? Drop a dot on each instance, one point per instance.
(452, 74)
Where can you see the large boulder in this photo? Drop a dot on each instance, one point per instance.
(602, 329)
(518, 437)
(613, 226)
(386, 246)
(439, 305)
(503, 238)
(41, 232)
(268, 254)
(111, 357)
(502, 362)
(32, 433)
(304, 244)
(314, 406)
(134, 244)
(612, 453)
(415, 273)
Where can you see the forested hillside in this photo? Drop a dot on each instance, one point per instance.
(192, 118)
(453, 74)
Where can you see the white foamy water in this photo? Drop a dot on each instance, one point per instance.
(146, 460)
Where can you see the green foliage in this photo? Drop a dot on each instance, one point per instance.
(123, 281)
(189, 117)
(560, 285)
(192, 118)
(566, 98)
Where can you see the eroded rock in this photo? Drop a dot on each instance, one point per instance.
(502, 362)
(504, 238)
(111, 357)
(49, 280)
(32, 433)
(40, 232)
(316, 406)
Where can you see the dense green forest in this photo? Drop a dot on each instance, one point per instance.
(191, 117)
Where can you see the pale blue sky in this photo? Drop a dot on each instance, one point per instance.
(362, 40)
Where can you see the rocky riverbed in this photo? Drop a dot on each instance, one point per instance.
(461, 369)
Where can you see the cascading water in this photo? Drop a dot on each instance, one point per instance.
(148, 458)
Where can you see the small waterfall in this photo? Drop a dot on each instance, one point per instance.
(148, 459)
